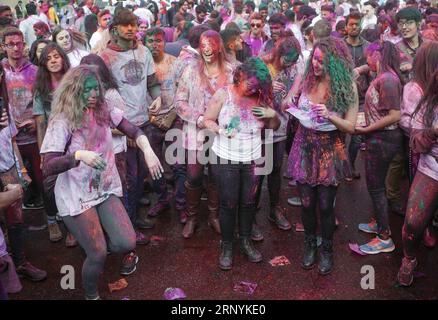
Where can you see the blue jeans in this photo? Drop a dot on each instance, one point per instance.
(157, 141)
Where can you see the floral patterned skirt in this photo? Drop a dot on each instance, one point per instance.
(318, 157)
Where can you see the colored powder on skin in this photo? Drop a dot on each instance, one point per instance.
(234, 123)
(422, 206)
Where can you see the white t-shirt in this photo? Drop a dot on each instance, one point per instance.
(95, 38)
(246, 145)
(76, 56)
(83, 187)
(115, 101)
(131, 69)
(369, 22)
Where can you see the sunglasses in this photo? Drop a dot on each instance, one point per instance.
(253, 25)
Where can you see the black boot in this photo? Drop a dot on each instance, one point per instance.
(309, 256)
(247, 247)
(326, 257)
(226, 257)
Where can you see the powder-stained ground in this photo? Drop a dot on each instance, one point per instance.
(192, 264)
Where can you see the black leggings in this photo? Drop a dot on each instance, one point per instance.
(325, 197)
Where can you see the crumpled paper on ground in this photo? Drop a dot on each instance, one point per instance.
(279, 261)
(245, 287)
(118, 285)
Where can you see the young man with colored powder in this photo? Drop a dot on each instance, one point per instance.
(277, 24)
(104, 19)
(232, 43)
(165, 73)
(20, 75)
(357, 46)
(10, 158)
(133, 67)
(255, 37)
(408, 20)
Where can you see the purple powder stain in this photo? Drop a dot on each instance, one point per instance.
(174, 294)
(355, 248)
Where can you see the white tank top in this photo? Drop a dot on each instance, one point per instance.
(246, 145)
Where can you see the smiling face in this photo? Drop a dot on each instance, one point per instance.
(317, 62)
(143, 27)
(63, 39)
(408, 28)
(209, 49)
(54, 62)
(183, 9)
(91, 92)
(264, 13)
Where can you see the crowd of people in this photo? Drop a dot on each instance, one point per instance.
(99, 99)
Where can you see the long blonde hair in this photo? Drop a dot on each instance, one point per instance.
(67, 99)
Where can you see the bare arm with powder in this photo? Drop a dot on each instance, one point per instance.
(346, 124)
(41, 129)
(213, 109)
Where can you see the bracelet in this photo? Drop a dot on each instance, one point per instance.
(77, 155)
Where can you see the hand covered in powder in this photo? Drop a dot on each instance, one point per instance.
(91, 158)
(263, 113)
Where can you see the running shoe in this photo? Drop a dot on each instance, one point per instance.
(370, 227)
(378, 245)
(129, 264)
